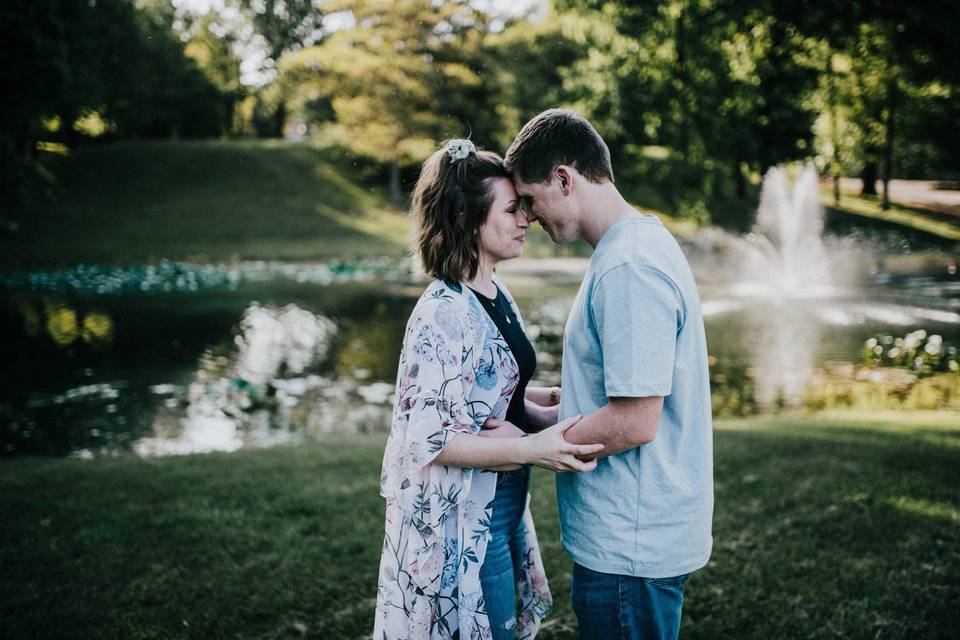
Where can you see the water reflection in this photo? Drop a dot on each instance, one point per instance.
(244, 395)
(169, 373)
(782, 347)
(64, 323)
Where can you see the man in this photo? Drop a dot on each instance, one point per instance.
(635, 366)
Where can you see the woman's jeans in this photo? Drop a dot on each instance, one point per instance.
(611, 607)
(501, 565)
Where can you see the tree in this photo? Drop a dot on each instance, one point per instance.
(211, 46)
(394, 82)
(112, 59)
(285, 26)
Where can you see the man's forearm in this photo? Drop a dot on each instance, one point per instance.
(624, 423)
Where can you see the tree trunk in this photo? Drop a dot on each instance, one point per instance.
(741, 179)
(834, 139)
(279, 119)
(229, 107)
(395, 194)
(888, 137)
(869, 178)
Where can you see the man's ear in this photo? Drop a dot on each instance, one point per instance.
(565, 176)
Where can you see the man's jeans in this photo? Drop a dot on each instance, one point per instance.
(498, 575)
(612, 607)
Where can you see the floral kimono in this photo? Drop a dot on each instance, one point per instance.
(455, 371)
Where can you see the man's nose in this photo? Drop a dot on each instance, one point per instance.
(523, 219)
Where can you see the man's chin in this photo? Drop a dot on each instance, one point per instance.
(550, 233)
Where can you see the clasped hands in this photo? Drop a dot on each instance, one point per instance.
(546, 448)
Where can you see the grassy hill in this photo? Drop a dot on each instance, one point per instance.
(216, 201)
(137, 202)
(213, 201)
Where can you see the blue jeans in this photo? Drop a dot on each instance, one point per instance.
(616, 607)
(501, 565)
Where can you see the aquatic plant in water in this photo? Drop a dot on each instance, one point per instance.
(924, 354)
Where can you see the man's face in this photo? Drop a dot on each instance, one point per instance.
(546, 203)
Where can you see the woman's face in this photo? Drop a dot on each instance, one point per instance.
(502, 235)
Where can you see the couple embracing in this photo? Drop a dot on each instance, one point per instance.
(629, 436)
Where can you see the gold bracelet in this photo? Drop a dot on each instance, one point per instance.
(554, 395)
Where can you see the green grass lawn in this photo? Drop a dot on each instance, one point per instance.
(838, 525)
(136, 202)
(929, 222)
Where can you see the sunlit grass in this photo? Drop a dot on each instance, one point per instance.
(898, 214)
(835, 525)
(136, 202)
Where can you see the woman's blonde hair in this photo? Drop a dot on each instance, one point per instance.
(450, 203)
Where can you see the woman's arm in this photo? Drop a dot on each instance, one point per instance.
(546, 449)
(544, 396)
(542, 405)
(540, 417)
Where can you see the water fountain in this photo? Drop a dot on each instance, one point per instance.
(792, 290)
(784, 254)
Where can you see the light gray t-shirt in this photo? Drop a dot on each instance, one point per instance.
(635, 330)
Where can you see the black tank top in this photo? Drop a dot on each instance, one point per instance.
(502, 315)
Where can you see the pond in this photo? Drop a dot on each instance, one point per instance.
(178, 358)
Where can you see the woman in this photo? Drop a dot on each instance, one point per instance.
(459, 534)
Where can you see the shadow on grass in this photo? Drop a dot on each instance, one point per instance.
(821, 529)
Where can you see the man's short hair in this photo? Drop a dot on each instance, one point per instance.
(555, 137)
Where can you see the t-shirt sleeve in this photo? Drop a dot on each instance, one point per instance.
(637, 311)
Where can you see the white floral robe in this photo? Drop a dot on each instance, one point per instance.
(455, 371)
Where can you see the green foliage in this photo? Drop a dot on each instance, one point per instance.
(922, 353)
(918, 371)
(398, 81)
(880, 389)
(696, 98)
(285, 25)
(69, 59)
(731, 390)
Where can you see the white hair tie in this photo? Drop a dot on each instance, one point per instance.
(459, 149)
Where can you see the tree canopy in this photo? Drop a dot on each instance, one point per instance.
(696, 96)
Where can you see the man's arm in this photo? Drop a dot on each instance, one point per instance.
(624, 423)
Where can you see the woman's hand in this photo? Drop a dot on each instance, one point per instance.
(542, 406)
(494, 428)
(540, 417)
(548, 449)
(544, 396)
